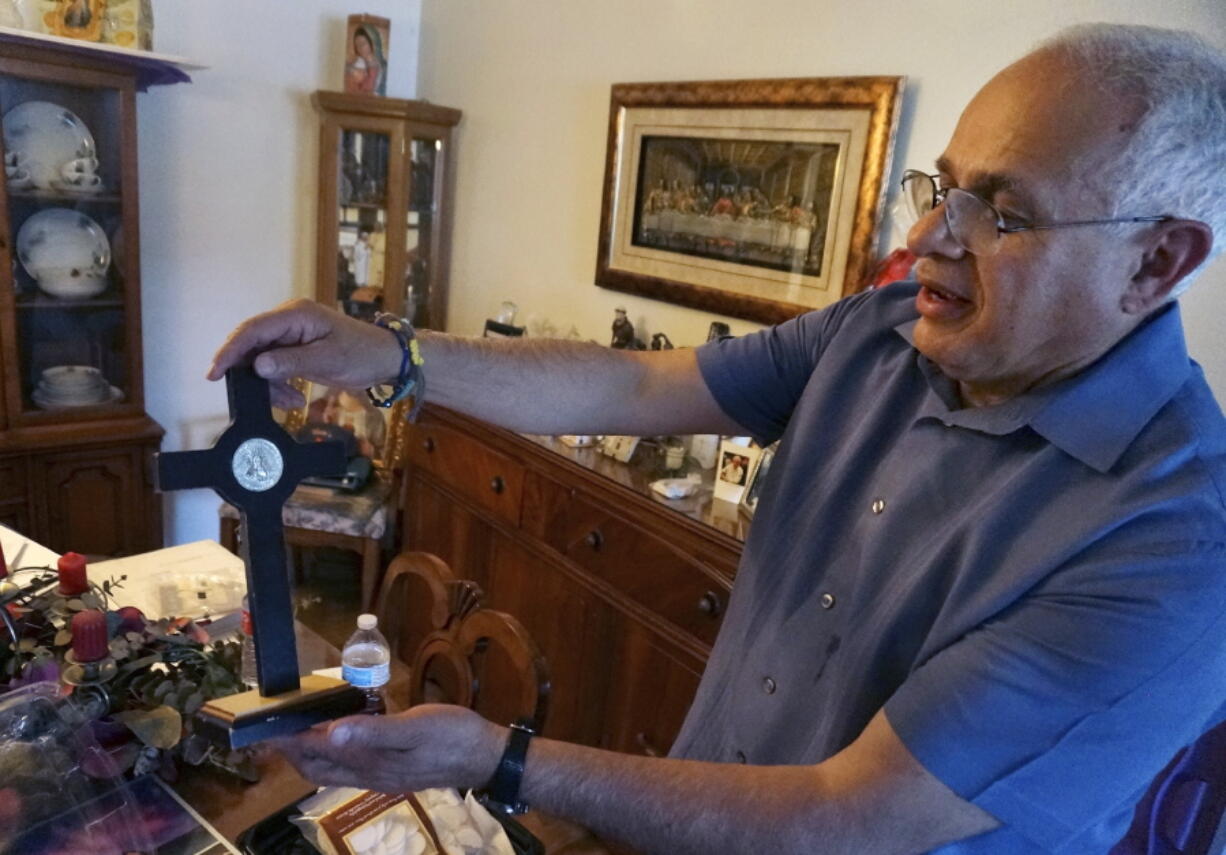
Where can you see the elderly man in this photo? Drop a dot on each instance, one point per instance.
(1003, 610)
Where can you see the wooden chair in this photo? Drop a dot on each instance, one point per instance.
(462, 653)
(459, 652)
(363, 522)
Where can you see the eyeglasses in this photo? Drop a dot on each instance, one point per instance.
(973, 222)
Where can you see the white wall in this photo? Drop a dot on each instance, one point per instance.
(533, 80)
(228, 175)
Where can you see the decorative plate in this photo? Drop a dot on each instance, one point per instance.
(45, 136)
(57, 239)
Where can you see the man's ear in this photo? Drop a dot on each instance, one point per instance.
(1174, 250)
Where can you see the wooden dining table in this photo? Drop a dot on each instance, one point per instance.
(232, 805)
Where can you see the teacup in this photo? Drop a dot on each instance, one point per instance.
(80, 184)
(78, 167)
(18, 177)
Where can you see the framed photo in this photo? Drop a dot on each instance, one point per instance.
(749, 502)
(734, 469)
(758, 199)
(620, 448)
(366, 54)
(375, 431)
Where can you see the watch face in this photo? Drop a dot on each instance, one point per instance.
(257, 465)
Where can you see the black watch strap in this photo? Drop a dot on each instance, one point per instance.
(502, 792)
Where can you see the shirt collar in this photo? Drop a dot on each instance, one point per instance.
(1093, 416)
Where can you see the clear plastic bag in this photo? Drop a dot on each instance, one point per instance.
(59, 790)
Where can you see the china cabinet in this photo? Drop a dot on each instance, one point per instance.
(75, 442)
(385, 173)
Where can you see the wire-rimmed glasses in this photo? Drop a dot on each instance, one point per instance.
(973, 222)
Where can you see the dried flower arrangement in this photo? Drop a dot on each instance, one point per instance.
(139, 680)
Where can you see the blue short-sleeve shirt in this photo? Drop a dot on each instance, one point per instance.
(1035, 592)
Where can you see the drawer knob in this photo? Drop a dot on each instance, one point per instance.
(497, 484)
(428, 444)
(710, 604)
(594, 539)
(645, 745)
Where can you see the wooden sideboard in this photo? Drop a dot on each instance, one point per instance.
(624, 593)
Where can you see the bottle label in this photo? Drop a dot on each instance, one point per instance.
(366, 678)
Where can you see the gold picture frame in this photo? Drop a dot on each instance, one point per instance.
(379, 433)
(759, 199)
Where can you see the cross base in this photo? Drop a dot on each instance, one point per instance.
(246, 718)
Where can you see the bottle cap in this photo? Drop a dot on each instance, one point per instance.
(367, 621)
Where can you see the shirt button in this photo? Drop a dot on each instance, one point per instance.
(741, 758)
(768, 686)
(878, 505)
(827, 601)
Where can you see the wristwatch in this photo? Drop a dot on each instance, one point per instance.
(502, 792)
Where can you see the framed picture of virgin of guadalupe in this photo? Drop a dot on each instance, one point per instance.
(366, 54)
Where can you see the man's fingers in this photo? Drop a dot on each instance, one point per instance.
(285, 396)
(294, 323)
(285, 363)
(251, 336)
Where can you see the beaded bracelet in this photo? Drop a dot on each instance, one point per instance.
(411, 380)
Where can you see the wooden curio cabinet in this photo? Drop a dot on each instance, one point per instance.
(76, 445)
(385, 175)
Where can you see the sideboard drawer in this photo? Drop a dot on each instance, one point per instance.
(651, 571)
(491, 480)
(12, 479)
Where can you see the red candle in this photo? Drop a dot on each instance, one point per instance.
(72, 574)
(89, 641)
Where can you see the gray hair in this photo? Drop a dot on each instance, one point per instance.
(1175, 162)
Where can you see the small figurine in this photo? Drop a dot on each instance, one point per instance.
(623, 331)
(361, 258)
(660, 341)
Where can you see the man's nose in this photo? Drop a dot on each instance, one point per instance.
(931, 236)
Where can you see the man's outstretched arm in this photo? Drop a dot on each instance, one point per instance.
(873, 797)
(534, 386)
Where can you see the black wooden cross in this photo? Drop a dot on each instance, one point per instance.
(255, 466)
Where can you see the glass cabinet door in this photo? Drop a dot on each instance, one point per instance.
(419, 242)
(384, 214)
(362, 217)
(68, 352)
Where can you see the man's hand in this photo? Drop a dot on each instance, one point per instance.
(304, 339)
(431, 745)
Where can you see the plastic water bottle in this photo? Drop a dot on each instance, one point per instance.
(247, 671)
(365, 663)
